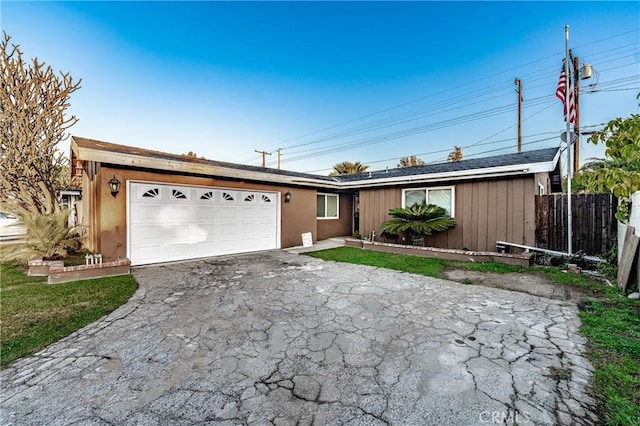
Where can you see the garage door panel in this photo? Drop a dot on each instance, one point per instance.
(179, 234)
(204, 248)
(228, 212)
(247, 228)
(177, 222)
(248, 212)
(247, 244)
(150, 253)
(205, 232)
(176, 214)
(148, 233)
(206, 214)
(146, 212)
(179, 250)
(227, 229)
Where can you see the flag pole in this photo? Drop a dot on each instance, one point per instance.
(568, 134)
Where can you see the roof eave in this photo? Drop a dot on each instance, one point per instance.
(490, 172)
(176, 166)
(208, 169)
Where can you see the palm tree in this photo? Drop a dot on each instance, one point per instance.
(418, 220)
(48, 236)
(348, 168)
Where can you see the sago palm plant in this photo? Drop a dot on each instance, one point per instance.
(418, 220)
(48, 236)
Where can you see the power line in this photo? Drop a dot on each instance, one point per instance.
(439, 108)
(475, 155)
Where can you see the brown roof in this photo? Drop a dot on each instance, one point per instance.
(108, 147)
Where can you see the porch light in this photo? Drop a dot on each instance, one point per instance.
(287, 196)
(114, 185)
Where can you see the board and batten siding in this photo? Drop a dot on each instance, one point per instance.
(486, 211)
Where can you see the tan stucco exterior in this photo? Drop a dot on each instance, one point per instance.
(106, 230)
(490, 203)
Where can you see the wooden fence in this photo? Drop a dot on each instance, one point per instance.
(593, 217)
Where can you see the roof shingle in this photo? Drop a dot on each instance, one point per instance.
(530, 157)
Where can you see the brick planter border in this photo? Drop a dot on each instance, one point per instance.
(40, 268)
(63, 274)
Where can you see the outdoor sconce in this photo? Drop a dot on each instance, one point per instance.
(114, 185)
(287, 196)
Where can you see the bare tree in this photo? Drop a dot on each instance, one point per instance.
(191, 154)
(33, 103)
(410, 161)
(455, 155)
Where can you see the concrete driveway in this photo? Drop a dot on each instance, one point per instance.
(277, 338)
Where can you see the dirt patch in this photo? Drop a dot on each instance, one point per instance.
(534, 284)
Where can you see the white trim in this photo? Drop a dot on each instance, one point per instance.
(177, 166)
(325, 194)
(449, 176)
(433, 188)
(128, 217)
(541, 189)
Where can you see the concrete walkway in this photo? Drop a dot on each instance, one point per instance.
(320, 245)
(281, 339)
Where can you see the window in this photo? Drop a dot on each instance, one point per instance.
(152, 193)
(442, 196)
(327, 207)
(178, 195)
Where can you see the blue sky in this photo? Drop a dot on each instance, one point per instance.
(331, 81)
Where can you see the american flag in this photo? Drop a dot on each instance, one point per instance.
(560, 93)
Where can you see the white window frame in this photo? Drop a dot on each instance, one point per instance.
(326, 204)
(433, 188)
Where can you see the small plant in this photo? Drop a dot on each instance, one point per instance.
(48, 236)
(356, 235)
(609, 268)
(418, 220)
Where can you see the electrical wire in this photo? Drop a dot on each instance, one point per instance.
(439, 107)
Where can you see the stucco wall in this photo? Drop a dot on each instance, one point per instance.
(106, 230)
(342, 226)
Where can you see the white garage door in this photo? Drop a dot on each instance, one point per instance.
(177, 222)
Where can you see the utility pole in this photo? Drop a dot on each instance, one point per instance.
(576, 126)
(519, 91)
(264, 157)
(279, 151)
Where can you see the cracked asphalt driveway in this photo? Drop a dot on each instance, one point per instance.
(277, 338)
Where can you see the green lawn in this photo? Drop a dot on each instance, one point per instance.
(613, 330)
(610, 322)
(35, 314)
(429, 267)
